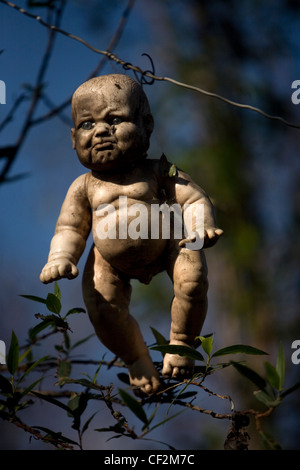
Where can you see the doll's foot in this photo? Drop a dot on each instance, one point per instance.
(177, 367)
(144, 376)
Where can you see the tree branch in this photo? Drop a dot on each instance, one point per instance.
(10, 153)
(113, 43)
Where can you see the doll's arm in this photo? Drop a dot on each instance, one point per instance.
(192, 196)
(71, 232)
(182, 189)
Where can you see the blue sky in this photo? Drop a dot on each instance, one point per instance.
(29, 207)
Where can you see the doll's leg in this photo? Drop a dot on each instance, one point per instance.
(188, 272)
(107, 296)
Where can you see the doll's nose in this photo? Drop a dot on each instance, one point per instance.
(102, 128)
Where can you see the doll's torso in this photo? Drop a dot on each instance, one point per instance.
(121, 218)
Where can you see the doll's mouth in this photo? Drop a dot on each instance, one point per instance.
(106, 145)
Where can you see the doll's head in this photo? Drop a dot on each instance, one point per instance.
(112, 122)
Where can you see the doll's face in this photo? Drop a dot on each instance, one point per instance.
(111, 126)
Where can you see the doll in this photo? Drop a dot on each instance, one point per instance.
(111, 135)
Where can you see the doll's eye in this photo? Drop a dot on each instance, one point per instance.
(87, 125)
(116, 120)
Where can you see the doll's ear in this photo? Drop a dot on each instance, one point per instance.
(149, 123)
(73, 137)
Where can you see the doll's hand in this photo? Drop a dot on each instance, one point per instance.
(57, 269)
(211, 236)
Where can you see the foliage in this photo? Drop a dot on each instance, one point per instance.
(18, 384)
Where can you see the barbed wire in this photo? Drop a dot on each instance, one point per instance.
(149, 74)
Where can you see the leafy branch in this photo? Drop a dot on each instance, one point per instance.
(21, 385)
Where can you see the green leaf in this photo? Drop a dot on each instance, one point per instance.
(30, 387)
(77, 405)
(53, 303)
(280, 366)
(87, 423)
(97, 372)
(55, 435)
(83, 382)
(269, 441)
(250, 374)
(33, 332)
(57, 291)
(67, 341)
(207, 345)
(266, 399)
(180, 350)
(81, 341)
(55, 320)
(116, 428)
(25, 353)
(160, 339)
(74, 402)
(238, 348)
(172, 170)
(34, 298)
(272, 375)
(51, 400)
(64, 369)
(33, 366)
(75, 310)
(181, 392)
(13, 354)
(134, 406)
(167, 419)
(153, 414)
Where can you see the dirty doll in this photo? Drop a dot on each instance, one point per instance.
(112, 128)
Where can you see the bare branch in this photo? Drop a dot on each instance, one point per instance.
(113, 43)
(34, 432)
(35, 95)
(12, 111)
